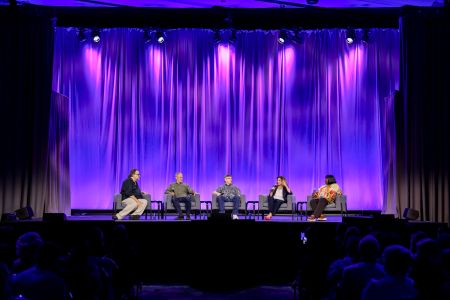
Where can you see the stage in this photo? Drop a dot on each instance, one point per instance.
(216, 254)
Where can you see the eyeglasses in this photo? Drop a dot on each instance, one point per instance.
(137, 174)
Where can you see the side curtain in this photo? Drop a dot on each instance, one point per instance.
(26, 59)
(423, 115)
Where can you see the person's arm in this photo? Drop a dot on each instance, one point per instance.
(238, 191)
(190, 191)
(219, 191)
(170, 190)
(287, 187)
(272, 191)
(127, 189)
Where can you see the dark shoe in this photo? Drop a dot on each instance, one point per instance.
(188, 217)
(135, 217)
(179, 218)
(114, 217)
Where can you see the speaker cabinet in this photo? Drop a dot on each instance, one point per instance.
(9, 217)
(410, 214)
(24, 213)
(54, 217)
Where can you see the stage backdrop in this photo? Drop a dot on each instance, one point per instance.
(253, 108)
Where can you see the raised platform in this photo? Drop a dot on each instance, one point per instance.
(206, 253)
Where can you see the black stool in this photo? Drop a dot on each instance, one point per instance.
(253, 203)
(301, 210)
(208, 208)
(159, 214)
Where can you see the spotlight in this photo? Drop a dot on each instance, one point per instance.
(160, 37)
(351, 36)
(282, 37)
(312, 2)
(95, 35)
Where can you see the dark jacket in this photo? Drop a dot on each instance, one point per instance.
(285, 192)
(129, 188)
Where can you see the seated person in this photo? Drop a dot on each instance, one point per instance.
(325, 195)
(132, 197)
(277, 196)
(228, 193)
(180, 192)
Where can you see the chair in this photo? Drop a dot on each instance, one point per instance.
(117, 204)
(285, 206)
(339, 205)
(195, 204)
(228, 205)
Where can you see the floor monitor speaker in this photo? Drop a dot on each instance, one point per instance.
(24, 213)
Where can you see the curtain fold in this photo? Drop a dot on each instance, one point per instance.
(25, 87)
(253, 108)
(422, 116)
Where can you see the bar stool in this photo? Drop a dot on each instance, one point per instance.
(253, 203)
(208, 208)
(301, 210)
(159, 213)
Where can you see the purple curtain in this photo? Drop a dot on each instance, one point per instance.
(253, 108)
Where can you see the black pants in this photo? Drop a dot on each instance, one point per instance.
(186, 201)
(318, 205)
(274, 204)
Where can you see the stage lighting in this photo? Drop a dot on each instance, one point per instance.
(282, 37)
(95, 35)
(351, 36)
(312, 2)
(160, 37)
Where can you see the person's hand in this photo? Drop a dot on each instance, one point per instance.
(172, 193)
(143, 193)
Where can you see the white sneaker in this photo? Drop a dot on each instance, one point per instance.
(235, 217)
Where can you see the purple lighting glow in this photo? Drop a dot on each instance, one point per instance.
(254, 109)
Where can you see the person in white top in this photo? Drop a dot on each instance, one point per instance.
(277, 196)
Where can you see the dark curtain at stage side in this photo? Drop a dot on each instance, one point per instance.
(252, 107)
(26, 59)
(423, 116)
(58, 198)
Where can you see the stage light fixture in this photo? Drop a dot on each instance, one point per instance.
(282, 37)
(95, 35)
(160, 37)
(351, 36)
